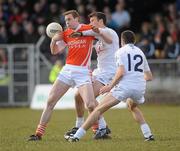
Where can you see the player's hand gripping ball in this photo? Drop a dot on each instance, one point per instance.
(53, 28)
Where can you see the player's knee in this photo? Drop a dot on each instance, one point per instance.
(90, 106)
(131, 105)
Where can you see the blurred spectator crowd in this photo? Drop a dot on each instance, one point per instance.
(24, 21)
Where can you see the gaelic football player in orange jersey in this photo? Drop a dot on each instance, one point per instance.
(106, 46)
(74, 73)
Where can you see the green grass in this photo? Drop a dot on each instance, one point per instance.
(16, 124)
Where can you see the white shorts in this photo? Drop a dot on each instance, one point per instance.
(103, 77)
(75, 76)
(122, 94)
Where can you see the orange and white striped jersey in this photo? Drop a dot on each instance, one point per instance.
(80, 48)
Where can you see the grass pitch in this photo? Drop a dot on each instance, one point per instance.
(16, 124)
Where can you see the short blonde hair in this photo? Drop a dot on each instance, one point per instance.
(74, 13)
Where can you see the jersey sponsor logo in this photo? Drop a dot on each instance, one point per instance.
(77, 44)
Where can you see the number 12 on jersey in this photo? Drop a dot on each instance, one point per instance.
(139, 59)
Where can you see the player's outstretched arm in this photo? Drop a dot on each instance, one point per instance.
(98, 32)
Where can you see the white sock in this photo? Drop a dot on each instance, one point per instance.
(102, 123)
(79, 121)
(80, 133)
(146, 130)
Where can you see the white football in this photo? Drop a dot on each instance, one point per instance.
(53, 28)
